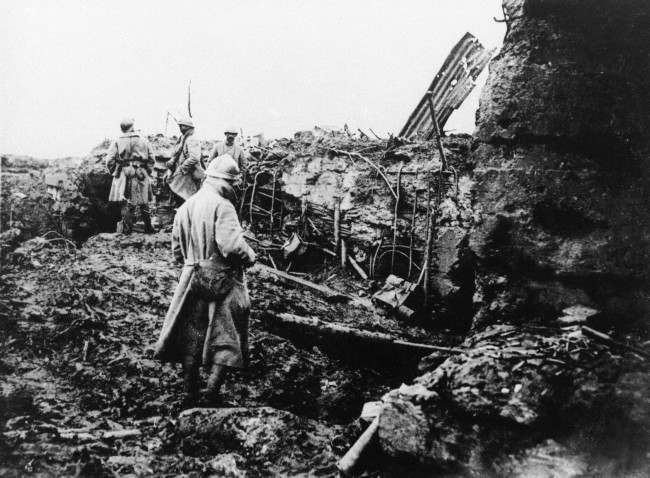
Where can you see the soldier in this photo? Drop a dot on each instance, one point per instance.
(207, 321)
(129, 160)
(231, 148)
(185, 171)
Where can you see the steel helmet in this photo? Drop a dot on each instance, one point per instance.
(231, 130)
(184, 121)
(224, 167)
(126, 123)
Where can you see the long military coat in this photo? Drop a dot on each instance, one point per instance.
(206, 226)
(236, 151)
(186, 166)
(131, 147)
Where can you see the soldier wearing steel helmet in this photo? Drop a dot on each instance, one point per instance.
(185, 172)
(130, 160)
(230, 147)
(207, 320)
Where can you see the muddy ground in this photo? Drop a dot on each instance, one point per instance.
(78, 329)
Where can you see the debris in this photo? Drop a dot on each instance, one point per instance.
(323, 328)
(449, 88)
(120, 434)
(327, 292)
(370, 411)
(351, 459)
(608, 340)
(394, 293)
(576, 314)
(357, 268)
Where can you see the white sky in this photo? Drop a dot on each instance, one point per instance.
(71, 69)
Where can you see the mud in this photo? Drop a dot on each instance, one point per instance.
(77, 363)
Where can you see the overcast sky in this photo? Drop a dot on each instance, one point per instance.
(71, 69)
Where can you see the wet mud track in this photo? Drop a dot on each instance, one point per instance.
(82, 395)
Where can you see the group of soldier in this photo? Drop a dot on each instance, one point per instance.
(130, 161)
(207, 321)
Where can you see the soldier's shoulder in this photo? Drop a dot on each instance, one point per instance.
(192, 142)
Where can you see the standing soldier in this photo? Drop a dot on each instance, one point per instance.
(207, 321)
(185, 171)
(231, 148)
(129, 160)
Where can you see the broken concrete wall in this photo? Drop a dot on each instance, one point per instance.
(320, 168)
(561, 164)
(561, 200)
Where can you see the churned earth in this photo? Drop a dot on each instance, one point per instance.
(82, 396)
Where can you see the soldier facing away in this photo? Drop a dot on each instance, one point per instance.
(185, 171)
(207, 321)
(129, 160)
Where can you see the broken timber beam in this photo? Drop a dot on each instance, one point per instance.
(329, 293)
(596, 334)
(451, 86)
(350, 460)
(325, 291)
(336, 330)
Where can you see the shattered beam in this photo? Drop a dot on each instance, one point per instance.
(451, 85)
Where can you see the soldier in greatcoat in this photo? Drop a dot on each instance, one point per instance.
(130, 161)
(207, 321)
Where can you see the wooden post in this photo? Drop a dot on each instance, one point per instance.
(413, 217)
(424, 273)
(337, 223)
(250, 210)
(344, 254)
(397, 190)
(275, 172)
(438, 133)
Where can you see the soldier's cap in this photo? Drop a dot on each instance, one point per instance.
(126, 123)
(185, 122)
(224, 167)
(231, 130)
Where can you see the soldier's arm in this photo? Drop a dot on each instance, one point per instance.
(193, 155)
(214, 153)
(177, 251)
(229, 235)
(112, 157)
(151, 159)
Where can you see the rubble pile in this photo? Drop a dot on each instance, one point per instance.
(514, 387)
(41, 196)
(561, 226)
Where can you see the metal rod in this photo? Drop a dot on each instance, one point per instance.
(436, 128)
